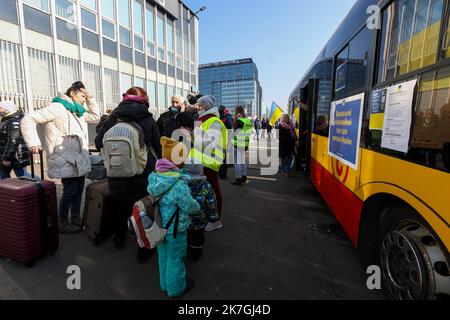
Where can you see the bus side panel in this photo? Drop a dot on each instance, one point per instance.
(345, 205)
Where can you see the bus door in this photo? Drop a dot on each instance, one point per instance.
(309, 98)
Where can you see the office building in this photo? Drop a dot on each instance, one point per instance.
(233, 83)
(110, 45)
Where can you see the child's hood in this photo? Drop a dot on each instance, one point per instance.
(159, 183)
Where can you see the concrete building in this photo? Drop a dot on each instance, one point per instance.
(110, 45)
(233, 83)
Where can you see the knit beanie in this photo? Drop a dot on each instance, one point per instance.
(173, 150)
(207, 102)
(8, 106)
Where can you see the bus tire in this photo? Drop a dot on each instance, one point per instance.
(413, 262)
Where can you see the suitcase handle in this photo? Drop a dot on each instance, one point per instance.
(41, 159)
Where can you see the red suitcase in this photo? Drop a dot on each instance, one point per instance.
(28, 219)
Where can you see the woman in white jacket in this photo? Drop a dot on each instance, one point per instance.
(67, 145)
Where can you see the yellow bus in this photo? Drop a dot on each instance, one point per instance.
(376, 107)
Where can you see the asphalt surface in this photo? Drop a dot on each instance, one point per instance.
(279, 241)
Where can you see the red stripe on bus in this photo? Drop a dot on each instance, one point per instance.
(346, 206)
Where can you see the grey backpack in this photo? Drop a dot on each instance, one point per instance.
(124, 151)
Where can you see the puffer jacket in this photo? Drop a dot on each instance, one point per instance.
(203, 193)
(12, 145)
(176, 195)
(66, 137)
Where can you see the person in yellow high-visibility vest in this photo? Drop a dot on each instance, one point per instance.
(241, 141)
(211, 152)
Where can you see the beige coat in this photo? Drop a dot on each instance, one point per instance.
(66, 138)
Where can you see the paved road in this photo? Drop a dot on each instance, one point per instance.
(279, 241)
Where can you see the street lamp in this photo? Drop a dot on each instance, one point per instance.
(201, 9)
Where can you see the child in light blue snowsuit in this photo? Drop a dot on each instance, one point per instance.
(170, 182)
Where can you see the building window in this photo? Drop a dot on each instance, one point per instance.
(69, 72)
(8, 11)
(109, 9)
(151, 49)
(138, 22)
(170, 44)
(91, 4)
(138, 43)
(38, 4)
(109, 29)
(42, 77)
(12, 87)
(109, 48)
(66, 31)
(125, 36)
(170, 94)
(150, 24)
(124, 13)
(37, 20)
(88, 20)
(151, 92)
(112, 89)
(161, 97)
(65, 9)
(139, 82)
(126, 82)
(90, 40)
(161, 38)
(410, 37)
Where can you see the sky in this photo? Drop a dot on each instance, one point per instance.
(283, 37)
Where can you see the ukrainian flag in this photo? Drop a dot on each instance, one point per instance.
(275, 114)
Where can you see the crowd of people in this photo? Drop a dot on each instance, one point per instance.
(187, 183)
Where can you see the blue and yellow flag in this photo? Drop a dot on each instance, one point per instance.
(275, 114)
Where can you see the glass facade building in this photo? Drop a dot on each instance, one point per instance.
(110, 45)
(233, 83)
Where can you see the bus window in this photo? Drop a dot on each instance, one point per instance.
(430, 130)
(351, 66)
(430, 135)
(410, 37)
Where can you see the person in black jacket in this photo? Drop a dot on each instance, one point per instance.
(128, 191)
(167, 122)
(13, 150)
(288, 139)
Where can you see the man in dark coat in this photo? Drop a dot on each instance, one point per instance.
(167, 122)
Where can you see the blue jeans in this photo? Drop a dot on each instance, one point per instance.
(71, 199)
(240, 167)
(286, 164)
(5, 173)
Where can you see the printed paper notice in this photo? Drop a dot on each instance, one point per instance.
(398, 117)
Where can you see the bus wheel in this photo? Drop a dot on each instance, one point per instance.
(414, 265)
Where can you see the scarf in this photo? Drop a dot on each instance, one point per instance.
(165, 165)
(137, 99)
(72, 107)
(289, 126)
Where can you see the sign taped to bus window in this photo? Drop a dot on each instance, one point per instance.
(341, 77)
(398, 116)
(377, 108)
(345, 130)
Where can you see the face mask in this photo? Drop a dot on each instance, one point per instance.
(174, 109)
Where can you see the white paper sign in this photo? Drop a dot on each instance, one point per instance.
(398, 116)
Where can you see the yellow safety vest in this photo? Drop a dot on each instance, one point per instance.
(241, 138)
(218, 154)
